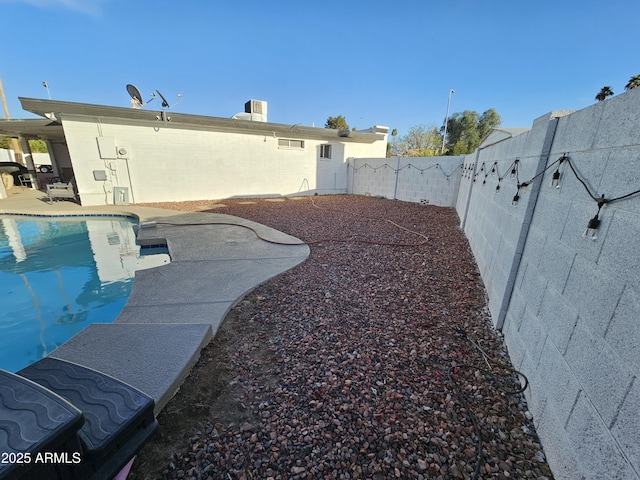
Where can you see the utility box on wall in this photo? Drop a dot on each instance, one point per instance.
(120, 196)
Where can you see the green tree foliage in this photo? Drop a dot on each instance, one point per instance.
(604, 93)
(420, 141)
(466, 130)
(634, 82)
(38, 146)
(337, 123)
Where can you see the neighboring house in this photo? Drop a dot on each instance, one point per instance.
(122, 155)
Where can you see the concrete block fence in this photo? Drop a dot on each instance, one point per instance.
(568, 306)
(428, 180)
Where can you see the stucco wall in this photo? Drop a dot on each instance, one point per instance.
(568, 306)
(428, 180)
(173, 164)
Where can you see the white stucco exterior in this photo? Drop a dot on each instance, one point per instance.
(125, 155)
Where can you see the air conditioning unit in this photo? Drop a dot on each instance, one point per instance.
(257, 109)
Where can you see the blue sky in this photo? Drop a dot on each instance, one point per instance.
(377, 63)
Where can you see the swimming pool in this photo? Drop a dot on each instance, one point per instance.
(60, 274)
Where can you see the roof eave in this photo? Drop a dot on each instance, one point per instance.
(55, 109)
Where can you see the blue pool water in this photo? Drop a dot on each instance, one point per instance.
(60, 274)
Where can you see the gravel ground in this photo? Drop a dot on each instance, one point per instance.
(374, 359)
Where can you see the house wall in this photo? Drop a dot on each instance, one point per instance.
(568, 307)
(433, 180)
(174, 164)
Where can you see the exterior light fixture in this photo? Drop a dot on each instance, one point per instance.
(591, 232)
(555, 178)
(514, 170)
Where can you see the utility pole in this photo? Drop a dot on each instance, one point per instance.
(17, 149)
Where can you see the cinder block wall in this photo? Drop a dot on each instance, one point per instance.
(432, 180)
(569, 307)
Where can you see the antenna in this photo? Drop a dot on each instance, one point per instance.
(136, 97)
(165, 104)
(46, 85)
(136, 101)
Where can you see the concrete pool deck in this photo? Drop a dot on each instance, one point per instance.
(173, 310)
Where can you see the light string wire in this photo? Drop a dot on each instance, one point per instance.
(492, 375)
(409, 166)
(599, 199)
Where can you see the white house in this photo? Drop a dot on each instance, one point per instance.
(128, 155)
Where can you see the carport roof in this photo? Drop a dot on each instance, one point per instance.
(43, 129)
(57, 110)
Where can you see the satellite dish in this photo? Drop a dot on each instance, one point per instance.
(136, 96)
(165, 104)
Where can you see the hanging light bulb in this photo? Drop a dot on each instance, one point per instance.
(514, 202)
(514, 170)
(498, 189)
(493, 169)
(555, 178)
(591, 232)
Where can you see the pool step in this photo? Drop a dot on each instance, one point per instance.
(118, 419)
(34, 420)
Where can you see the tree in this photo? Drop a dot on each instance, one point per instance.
(37, 146)
(604, 93)
(337, 123)
(634, 82)
(466, 130)
(420, 141)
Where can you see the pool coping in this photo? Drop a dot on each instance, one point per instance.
(173, 310)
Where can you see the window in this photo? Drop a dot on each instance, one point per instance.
(287, 143)
(325, 151)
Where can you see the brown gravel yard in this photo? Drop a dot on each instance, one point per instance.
(371, 360)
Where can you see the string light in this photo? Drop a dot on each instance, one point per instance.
(409, 166)
(514, 170)
(591, 232)
(555, 178)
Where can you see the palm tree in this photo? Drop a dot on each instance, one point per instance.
(634, 82)
(604, 93)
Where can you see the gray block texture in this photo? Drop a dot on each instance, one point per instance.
(571, 318)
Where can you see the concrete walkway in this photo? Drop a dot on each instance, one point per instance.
(174, 310)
